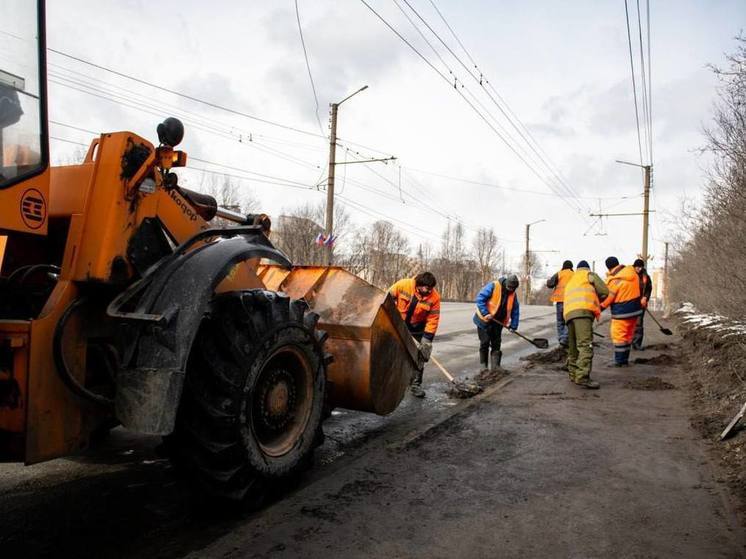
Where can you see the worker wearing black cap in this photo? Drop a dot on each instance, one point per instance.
(624, 300)
(646, 288)
(558, 282)
(497, 307)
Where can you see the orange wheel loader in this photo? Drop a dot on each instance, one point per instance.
(120, 304)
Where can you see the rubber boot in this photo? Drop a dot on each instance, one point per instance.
(483, 358)
(495, 359)
(416, 387)
(588, 383)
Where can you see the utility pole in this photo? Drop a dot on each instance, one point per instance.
(527, 262)
(665, 280)
(330, 185)
(645, 214)
(328, 230)
(646, 211)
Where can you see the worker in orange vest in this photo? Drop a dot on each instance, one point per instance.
(624, 300)
(418, 302)
(558, 282)
(582, 305)
(497, 307)
(646, 289)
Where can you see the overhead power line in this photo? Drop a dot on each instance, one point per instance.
(308, 67)
(634, 82)
(185, 95)
(533, 147)
(196, 121)
(469, 103)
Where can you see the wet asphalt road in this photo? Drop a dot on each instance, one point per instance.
(534, 467)
(123, 500)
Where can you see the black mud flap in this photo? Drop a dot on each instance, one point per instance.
(162, 313)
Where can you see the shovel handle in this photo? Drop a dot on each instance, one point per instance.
(529, 340)
(664, 330)
(443, 370)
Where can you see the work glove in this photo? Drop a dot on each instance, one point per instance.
(426, 348)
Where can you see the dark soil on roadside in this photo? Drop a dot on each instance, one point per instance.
(716, 371)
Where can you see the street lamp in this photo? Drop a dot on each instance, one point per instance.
(330, 184)
(527, 258)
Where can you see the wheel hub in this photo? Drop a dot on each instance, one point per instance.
(277, 399)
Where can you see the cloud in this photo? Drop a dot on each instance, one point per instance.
(347, 48)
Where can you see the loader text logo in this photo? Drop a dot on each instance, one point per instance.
(33, 208)
(183, 205)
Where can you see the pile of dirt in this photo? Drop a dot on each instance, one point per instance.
(487, 377)
(664, 359)
(716, 366)
(649, 383)
(463, 390)
(556, 355)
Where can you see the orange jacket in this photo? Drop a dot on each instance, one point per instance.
(558, 295)
(426, 313)
(624, 292)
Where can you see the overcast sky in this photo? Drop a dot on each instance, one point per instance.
(562, 67)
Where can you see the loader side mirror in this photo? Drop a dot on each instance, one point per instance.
(170, 132)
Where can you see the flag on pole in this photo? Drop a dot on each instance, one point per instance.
(325, 240)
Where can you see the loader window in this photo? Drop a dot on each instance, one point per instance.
(22, 144)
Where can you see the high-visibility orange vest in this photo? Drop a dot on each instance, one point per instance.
(581, 295)
(427, 309)
(494, 304)
(624, 284)
(558, 295)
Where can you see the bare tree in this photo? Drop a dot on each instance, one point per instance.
(295, 232)
(534, 266)
(486, 248)
(710, 268)
(229, 193)
(380, 254)
(76, 157)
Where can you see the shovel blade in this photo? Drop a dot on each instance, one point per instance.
(541, 343)
(666, 331)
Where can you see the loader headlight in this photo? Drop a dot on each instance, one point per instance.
(170, 132)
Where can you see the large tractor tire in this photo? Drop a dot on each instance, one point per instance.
(251, 411)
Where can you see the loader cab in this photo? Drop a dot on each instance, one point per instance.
(24, 150)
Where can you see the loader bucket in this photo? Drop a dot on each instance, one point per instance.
(375, 357)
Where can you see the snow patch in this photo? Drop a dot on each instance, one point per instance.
(722, 325)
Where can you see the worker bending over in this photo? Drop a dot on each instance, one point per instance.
(497, 306)
(558, 282)
(624, 300)
(583, 293)
(646, 289)
(419, 305)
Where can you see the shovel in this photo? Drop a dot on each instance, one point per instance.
(464, 389)
(541, 343)
(733, 423)
(666, 331)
